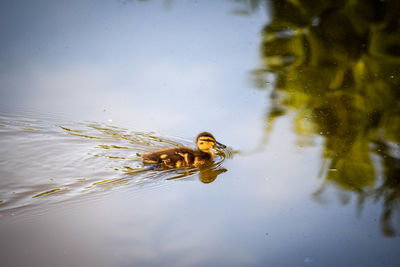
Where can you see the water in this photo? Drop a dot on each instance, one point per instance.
(109, 157)
(310, 175)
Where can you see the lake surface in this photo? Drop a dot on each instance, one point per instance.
(304, 95)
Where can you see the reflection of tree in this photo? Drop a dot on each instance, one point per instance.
(337, 66)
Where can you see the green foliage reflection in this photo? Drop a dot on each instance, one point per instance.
(337, 68)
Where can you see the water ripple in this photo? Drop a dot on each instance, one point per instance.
(46, 162)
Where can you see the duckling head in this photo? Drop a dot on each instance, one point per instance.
(205, 141)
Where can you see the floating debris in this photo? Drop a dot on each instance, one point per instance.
(113, 146)
(47, 192)
(31, 129)
(105, 181)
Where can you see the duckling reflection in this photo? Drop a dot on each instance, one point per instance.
(177, 157)
(209, 174)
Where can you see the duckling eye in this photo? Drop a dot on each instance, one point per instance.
(201, 143)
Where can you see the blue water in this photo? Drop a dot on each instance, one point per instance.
(86, 85)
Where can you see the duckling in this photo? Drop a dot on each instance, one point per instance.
(177, 157)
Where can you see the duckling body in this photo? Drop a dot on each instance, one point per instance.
(177, 157)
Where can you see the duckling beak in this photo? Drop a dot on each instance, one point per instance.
(219, 145)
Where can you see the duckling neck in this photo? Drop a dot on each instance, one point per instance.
(209, 152)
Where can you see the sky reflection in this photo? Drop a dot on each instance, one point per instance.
(82, 58)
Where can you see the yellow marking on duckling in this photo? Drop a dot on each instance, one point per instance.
(147, 161)
(205, 144)
(178, 164)
(168, 163)
(163, 156)
(185, 156)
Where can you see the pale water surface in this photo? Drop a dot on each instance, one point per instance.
(88, 86)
